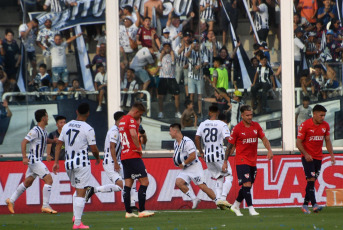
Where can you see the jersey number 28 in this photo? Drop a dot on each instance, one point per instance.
(211, 134)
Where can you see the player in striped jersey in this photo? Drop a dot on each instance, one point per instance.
(212, 132)
(77, 135)
(38, 138)
(185, 157)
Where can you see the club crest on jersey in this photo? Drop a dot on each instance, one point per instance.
(247, 175)
(313, 174)
(323, 129)
(255, 131)
(132, 121)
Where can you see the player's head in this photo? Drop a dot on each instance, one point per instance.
(213, 111)
(222, 117)
(174, 130)
(246, 113)
(60, 121)
(41, 116)
(118, 115)
(137, 110)
(319, 113)
(83, 110)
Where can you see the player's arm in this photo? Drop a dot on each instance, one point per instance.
(114, 156)
(330, 149)
(197, 141)
(135, 140)
(23, 151)
(58, 148)
(191, 157)
(95, 151)
(266, 144)
(301, 148)
(229, 151)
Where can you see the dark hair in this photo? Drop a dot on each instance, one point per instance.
(60, 82)
(42, 66)
(304, 72)
(222, 117)
(256, 46)
(58, 35)
(7, 31)
(131, 70)
(259, 53)
(218, 59)
(319, 108)
(252, 59)
(306, 98)
(39, 114)
(245, 108)
(213, 109)
(117, 115)
(223, 48)
(60, 117)
(75, 80)
(128, 8)
(187, 102)
(175, 126)
(147, 18)
(139, 106)
(318, 66)
(263, 57)
(35, 20)
(99, 65)
(83, 108)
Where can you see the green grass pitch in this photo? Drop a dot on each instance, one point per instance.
(274, 218)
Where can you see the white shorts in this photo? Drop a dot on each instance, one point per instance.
(112, 174)
(37, 169)
(215, 168)
(194, 172)
(80, 177)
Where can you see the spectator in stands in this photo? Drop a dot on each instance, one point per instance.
(308, 10)
(337, 29)
(261, 18)
(305, 81)
(333, 48)
(327, 12)
(11, 53)
(61, 87)
(221, 98)
(146, 34)
(189, 117)
(4, 109)
(303, 112)
(227, 59)
(175, 27)
(59, 59)
(100, 58)
(231, 8)
(50, 148)
(165, 38)
(42, 79)
(220, 75)
(331, 82)
(210, 47)
(58, 6)
(27, 34)
(100, 84)
(207, 12)
(264, 79)
(153, 71)
(312, 51)
(298, 52)
(168, 82)
(3, 80)
(101, 40)
(296, 21)
(129, 84)
(234, 109)
(319, 30)
(317, 84)
(154, 9)
(254, 62)
(77, 89)
(127, 11)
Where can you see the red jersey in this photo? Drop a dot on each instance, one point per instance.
(313, 137)
(245, 139)
(128, 147)
(145, 36)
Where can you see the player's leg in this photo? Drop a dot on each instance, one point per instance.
(128, 170)
(181, 182)
(242, 170)
(228, 178)
(46, 194)
(309, 170)
(247, 190)
(134, 196)
(317, 167)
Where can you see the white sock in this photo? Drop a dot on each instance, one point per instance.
(78, 205)
(134, 193)
(20, 189)
(227, 186)
(237, 204)
(46, 195)
(251, 208)
(191, 194)
(107, 188)
(219, 188)
(74, 196)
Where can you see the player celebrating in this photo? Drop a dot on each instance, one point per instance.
(38, 139)
(213, 132)
(244, 136)
(77, 135)
(311, 135)
(186, 158)
(131, 158)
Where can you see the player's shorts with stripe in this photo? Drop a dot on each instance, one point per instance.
(193, 173)
(80, 177)
(246, 173)
(134, 168)
(37, 169)
(312, 168)
(215, 168)
(111, 173)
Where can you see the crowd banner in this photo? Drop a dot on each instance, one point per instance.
(279, 183)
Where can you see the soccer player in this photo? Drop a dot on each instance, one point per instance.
(185, 158)
(311, 135)
(77, 135)
(212, 132)
(131, 159)
(244, 137)
(38, 138)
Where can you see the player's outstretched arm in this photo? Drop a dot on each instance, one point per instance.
(266, 144)
(301, 148)
(95, 152)
(330, 149)
(23, 151)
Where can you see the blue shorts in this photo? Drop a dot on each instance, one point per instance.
(60, 73)
(142, 75)
(246, 173)
(312, 168)
(195, 86)
(134, 168)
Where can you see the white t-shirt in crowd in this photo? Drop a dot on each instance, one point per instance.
(30, 39)
(262, 17)
(173, 32)
(58, 55)
(99, 77)
(124, 34)
(298, 45)
(142, 58)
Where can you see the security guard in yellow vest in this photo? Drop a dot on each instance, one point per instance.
(220, 76)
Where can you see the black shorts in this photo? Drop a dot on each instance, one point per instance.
(31, 56)
(312, 168)
(246, 173)
(168, 85)
(134, 168)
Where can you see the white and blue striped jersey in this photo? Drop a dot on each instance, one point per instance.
(77, 136)
(212, 133)
(114, 137)
(208, 13)
(38, 139)
(182, 151)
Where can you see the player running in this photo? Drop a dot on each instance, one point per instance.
(77, 135)
(311, 135)
(38, 139)
(245, 137)
(213, 132)
(185, 158)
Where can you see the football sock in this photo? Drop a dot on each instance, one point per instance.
(46, 195)
(142, 197)
(134, 194)
(20, 189)
(247, 195)
(74, 196)
(191, 194)
(219, 188)
(311, 193)
(127, 198)
(107, 188)
(240, 196)
(79, 205)
(306, 199)
(237, 204)
(227, 186)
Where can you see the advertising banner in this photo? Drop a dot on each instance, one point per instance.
(279, 183)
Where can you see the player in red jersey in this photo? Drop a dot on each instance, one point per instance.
(245, 137)
(131, 159)
(311, 136)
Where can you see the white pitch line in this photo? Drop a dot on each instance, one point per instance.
(179, 211)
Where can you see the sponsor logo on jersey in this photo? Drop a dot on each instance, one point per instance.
(249, 140)
(134, 176)
(255, 131)
(243, 134)
(311, 130)
(316, 138)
